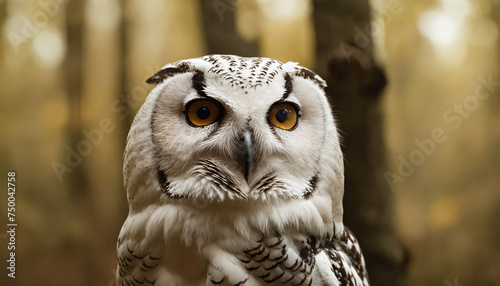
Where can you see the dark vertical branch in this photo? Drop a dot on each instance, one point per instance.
(3, 13)
(355, 83)
(3, 17)
(495, 15)
(219, 27)
(125, 115)
(123, 50)
(73, 76)
(495, 107)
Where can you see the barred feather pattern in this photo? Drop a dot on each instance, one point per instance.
(270, 261)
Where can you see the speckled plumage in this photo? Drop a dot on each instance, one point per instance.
(241, 200)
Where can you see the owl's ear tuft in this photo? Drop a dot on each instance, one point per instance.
(165, 73)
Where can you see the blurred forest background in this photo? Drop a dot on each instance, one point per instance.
(72, 76)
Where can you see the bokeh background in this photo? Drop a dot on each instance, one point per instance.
(74, 71)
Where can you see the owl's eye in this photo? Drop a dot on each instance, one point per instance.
(284, 115)
(201, 112)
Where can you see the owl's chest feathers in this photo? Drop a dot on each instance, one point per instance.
(204, 224)
(202, 233)
(198, 237)
(189, 237)
(221, 241)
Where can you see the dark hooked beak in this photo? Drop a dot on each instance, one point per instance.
(247, 153)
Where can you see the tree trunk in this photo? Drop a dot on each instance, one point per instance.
(3, 14)
(123, 50)
(219, 27)
(73, 76)
(344, 58)
(73, 72)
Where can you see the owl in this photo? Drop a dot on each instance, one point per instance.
(234, 176)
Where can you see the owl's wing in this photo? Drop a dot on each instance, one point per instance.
(347, 265)
(136, 266)
(135, 269)
(305, 261)
(277, 261)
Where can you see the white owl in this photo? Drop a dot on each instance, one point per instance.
(234, 176)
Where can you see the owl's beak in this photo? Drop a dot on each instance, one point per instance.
(247, 153)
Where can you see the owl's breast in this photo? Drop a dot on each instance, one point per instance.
(183, 263)
(200, 236)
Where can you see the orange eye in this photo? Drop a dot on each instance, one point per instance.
(283, 115)
(201, 112)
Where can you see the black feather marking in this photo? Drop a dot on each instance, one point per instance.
(280, 240)
(311, 266)
(148, 266)
(241, 282)
(165, 185)
(288, 280)
(272, 266)
(217, 282)
(311, 188)
(264, 275)
(307, 74)
(154, 258)
(260, 250)
(161, 176)
(268, 183)
(221, 178)
(264, 258)
(334, 247)
(163, 74)
(162, 180)
(293, 266)
(275, 278)
(199, 83)
(134, 255)
(280, 259)
(246, 261)
(305, 253)
(310, 250)
(299, 266)
(252, 268)
(253, 249)
(138, 281)
(301, 282)
(288, 86)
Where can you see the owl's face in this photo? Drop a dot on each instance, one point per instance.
(232, 128)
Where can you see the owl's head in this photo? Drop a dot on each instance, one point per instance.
(224, 128)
